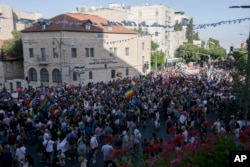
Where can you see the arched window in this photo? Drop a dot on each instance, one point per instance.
(32, 74)
(44, 74)
(56, 76)
(90, 75)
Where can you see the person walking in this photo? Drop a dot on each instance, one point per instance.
(94, 145)
(48, 146)
(107, 151)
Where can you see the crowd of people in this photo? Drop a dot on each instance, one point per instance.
(69, 122)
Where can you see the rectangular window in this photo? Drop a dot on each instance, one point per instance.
(43, 26)
(115, 52)
(55, 54)
(88, 26)
(43, 54)
(0, 29)
(110, 51)
(73, 52)
(156, 33)
(18, 84)
(90, 75)
(142, 45)
(110, 28)
(127, 51)
(127, 71)
(112, 73)
(92, 52)
(74, 76)
(31, 52)
(87, 52)
(143, 59)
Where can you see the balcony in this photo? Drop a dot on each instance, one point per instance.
(42, 59)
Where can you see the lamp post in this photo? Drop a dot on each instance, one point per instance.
(247, 71)
(79, 70)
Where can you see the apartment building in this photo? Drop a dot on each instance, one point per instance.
(78, 48)
(11, 69)
(158, 20)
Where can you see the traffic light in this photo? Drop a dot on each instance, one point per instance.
(231, 48)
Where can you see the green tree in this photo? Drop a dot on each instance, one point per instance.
(14, 47)
(157, 57)
(189, 52)
(190, 31)
(154, 46)
(177, 27)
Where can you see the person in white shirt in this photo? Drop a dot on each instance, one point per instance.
(217, 126)
(94, 145)
(185, 134)
(48, 145)
(20, 153)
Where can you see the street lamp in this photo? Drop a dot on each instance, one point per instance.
(79, 70)
(247, 70)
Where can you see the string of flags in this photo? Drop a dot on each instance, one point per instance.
(144, 24)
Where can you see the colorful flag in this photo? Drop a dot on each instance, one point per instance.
(129, 93)
(32, 103)
(45, 103)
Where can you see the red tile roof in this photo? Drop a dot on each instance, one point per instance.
(76, 22)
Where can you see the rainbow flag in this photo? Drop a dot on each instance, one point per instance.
(32, 103)
(45, 103)
(129, 93)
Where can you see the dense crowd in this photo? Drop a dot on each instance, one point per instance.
(76, 122)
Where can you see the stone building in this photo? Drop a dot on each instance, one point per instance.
(11, 69)
(80, 48)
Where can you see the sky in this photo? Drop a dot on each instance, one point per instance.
(202, 12)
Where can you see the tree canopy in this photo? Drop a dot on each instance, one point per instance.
(13, 46)
(157, 57)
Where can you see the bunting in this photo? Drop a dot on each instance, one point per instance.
(143, 23)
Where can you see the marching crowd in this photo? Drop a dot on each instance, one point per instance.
(68, 122)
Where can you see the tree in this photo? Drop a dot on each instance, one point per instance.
(157, 57)
(189, 52)
(154, 46)
(190, 31)
(13, 47)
